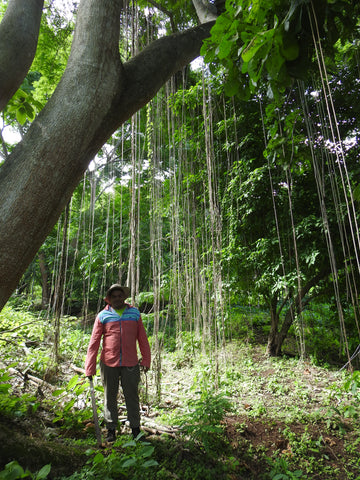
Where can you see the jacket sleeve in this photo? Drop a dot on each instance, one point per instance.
(144, 345)
(90, 362)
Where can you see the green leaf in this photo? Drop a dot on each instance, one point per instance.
(256, 43)
(251, 49)
(57, 393)
(132, 443)
(4, 387)
(99, 458)
(291, 52)
(231, 87)
(69, 405)
(224, 48)
(44, 472)
(12, 471)
(289, 46)
(147, 451)
(21, 115)
(150, 463)
(356, 193)
(30, 112)
(73, 381)
(274, 63)
(129, 462)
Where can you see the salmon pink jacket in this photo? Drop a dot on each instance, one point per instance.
(119, 334)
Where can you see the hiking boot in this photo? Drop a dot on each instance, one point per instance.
(111, 436)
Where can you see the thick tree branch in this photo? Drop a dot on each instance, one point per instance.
(146, 73)
(205, 10)
(19, 32)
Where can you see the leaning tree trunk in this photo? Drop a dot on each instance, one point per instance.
(96, 94)
(19, 31)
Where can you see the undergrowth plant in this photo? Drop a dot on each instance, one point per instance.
(13, 405)
(66, 398)
(203, 421)
(347, 397)
(280, 470)
(133, 462)
(14, 471)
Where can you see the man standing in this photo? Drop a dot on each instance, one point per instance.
(120, 326)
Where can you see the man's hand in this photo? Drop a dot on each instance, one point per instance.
(89, 377)
(144, 369)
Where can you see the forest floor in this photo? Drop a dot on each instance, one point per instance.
(292, 416)
(234, 414)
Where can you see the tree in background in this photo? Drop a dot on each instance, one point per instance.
(291, 247)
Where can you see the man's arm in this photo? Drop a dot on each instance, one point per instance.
(144, 345)
(93, 348)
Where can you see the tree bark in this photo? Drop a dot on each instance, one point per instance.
(271, 349)
(94, 97)
(19, 31)
(205, 10)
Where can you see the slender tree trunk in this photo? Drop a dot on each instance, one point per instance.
(58, 304)
(215, 226)
(272, 345)
(45, 295)
(131, 278)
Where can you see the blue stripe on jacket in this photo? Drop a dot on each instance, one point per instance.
(110, 315)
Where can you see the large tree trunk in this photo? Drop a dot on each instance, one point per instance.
(19, 32)
(276, 338)
(94, 97)
(272, 344)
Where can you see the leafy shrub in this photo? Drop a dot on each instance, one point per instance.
(132, 464)
(348, 399)
(14, 471)
(281, 470)
(188, 345)
(203, 422)
(247, 322)
(12, 405)
(65, 406)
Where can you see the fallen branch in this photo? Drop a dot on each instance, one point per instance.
(7, 340)
(79, 370)
(26, 376)
(159, 431)
(17, 327)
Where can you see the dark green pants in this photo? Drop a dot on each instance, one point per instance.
(129, 378)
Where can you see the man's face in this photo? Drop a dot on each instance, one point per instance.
(117, 299)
